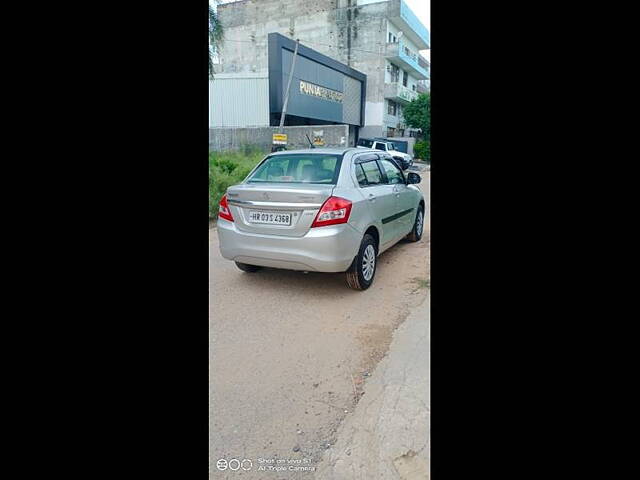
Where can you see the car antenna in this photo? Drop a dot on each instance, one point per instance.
(310, 142)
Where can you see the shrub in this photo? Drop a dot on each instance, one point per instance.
(229, 168)
(422, 150)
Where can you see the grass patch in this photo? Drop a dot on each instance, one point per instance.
(421, 282)
(229, 168)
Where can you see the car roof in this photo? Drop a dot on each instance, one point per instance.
(321, 151)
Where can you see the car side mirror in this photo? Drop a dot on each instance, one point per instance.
(413, 178)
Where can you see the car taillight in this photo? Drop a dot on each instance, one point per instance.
(335, 210)
(223, 211)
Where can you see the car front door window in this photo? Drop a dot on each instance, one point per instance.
(393, 173)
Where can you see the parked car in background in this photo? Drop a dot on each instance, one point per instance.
(404, 160)
(323, 210)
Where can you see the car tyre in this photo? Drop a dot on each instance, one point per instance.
(245, 267)
(363, 269)
(418, 226)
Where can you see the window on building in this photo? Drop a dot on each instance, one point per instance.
(393, 108)
(413, 87)
(391, 132)
(405, 78)
(395, 73)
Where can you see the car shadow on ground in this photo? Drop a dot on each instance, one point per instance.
(279, 280)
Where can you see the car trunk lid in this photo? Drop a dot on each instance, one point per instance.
(292, 207)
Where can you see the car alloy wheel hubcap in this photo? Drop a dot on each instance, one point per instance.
(419, 224)
(368, 262)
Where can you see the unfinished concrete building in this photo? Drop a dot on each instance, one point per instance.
(380, 38)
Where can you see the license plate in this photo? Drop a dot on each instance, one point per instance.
(270, 218)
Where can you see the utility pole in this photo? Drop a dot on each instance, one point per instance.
(286, 96)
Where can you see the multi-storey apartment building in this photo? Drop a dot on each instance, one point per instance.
(380, 38)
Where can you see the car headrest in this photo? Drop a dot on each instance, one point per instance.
(309, 172)
(275, 171)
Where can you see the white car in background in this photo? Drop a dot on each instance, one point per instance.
(404, 160)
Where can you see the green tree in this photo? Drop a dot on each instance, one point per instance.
(216, 34)
(418, 114)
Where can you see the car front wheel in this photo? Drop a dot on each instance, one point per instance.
(363, 269)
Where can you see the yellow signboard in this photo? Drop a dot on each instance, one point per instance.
(279, 138)
(318, 138)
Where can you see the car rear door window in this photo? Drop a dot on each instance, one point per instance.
(362, 179)
(372, 172)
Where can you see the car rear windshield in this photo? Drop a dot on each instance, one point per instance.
(298, 168)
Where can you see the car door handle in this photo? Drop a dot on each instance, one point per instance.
(372, 197)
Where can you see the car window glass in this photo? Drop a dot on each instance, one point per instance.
(362, 180)
(297, 168)
(372, 173)
(380, 146)
(394, 175)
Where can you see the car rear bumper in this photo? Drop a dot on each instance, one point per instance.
(322, 249)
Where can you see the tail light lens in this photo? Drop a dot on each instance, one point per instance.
(335, 210)
(223, 211)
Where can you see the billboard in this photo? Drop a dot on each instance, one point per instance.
(322, 89)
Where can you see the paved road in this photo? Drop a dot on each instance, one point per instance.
(288, 350)
(387, 437)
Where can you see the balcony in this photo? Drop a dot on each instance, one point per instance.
(413, 62)
(399, 93)
(391, 120)
(422, 88)
(402, 17)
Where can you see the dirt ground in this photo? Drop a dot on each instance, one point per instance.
(289, 353)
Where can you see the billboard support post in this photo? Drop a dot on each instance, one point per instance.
(286, 96)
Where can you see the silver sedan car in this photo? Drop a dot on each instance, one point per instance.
(323, 210)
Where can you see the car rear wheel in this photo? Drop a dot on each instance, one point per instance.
(245, 267)
(418, 226)
(363, 269)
